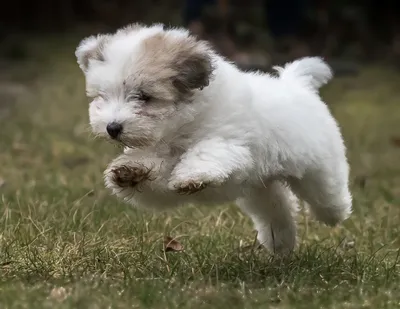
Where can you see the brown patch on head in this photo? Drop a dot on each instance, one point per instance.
(91, 48)
(171, 65)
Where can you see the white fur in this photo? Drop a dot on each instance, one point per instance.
(253, 138)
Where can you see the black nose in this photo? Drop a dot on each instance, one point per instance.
(114, 129)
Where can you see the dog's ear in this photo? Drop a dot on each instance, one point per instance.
(194, 66)
(90, 48)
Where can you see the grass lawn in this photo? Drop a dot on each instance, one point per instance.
(66, 243)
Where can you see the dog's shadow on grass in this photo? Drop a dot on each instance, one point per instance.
(308, 265)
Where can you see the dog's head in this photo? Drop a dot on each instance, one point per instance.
(140, 79)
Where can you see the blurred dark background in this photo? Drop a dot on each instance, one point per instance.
(254, 33)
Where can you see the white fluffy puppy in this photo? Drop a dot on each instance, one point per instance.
(197, 130)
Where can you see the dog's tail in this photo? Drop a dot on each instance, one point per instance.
(311, 72)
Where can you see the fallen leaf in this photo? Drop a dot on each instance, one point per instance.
(396, 141)
(171, 244)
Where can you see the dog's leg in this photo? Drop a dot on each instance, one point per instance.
(131, 172)
(272, 210)
(141, 179)
(210, 162)
(326, 191)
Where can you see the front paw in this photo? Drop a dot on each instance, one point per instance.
(193, 184)
(127, 176)
(187, 187)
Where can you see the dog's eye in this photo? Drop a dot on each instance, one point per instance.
(139, 96)
(143, 97)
